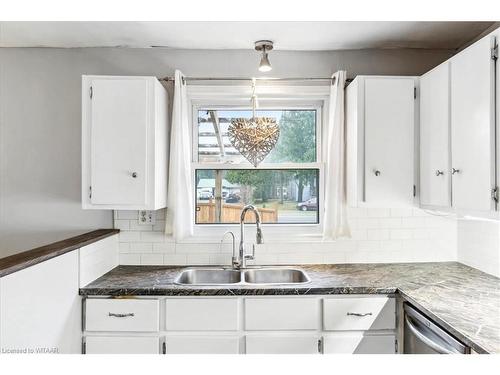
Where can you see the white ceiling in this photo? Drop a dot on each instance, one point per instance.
(241, 35)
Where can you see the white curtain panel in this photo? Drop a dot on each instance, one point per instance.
(180, 208)
(335, 223)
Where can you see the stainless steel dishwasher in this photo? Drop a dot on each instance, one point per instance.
(422, 336)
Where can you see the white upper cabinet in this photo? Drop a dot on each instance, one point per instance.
(380, 119)
(472, 93)
(124, 143)
(435, 174)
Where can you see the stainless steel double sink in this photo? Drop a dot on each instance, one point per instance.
(261, 276)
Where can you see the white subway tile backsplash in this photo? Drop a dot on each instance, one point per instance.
(130, 259)
(128, 215)
(141, 247)
(152, 236)
(198, 259)
(175, 259)
(151, 259)
(128, 236)
(401, 234)
(413, 222)
(378, 235)
(136, 226)
(401, 212)
(122, 224)
(164, 247)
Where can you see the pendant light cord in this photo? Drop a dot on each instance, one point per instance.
(254, 97)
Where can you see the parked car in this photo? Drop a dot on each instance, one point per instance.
(204, 194)
(233, 198)
(308, 205)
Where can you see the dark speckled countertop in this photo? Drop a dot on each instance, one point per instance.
(461, 299)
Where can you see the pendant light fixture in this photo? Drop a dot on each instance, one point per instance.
(256, 137)
(264, 46)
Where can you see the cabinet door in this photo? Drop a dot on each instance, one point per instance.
(119, 119)
(121, 345)
(282, 344)
(389, 126)
(40, 309)
(202, 344)
(359, 343)
(435, 176)
(288, 313)
(472, 127)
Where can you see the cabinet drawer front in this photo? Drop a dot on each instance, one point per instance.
(359, 344)
(133, 315)
(286, 344)
(202, 314)
(203, 344)
(121, 345)
(347, 313)
(281, 313)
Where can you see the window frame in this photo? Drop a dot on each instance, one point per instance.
(280, 97)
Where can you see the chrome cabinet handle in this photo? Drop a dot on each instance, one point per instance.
(134, 174)
(117, 315)
(453, 170)
(439, 173)
(359, 314)
(376, 172)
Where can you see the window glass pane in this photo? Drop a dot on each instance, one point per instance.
(283, 196)
(296, 144)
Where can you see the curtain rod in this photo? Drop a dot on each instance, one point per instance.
(172, 79)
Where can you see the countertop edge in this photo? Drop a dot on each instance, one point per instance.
(25, 259)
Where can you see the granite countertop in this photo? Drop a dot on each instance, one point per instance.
(17, 262)
(461, 299)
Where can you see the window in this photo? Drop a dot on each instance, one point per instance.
(285, 187)
(282, 196)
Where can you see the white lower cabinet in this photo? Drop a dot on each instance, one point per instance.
(359, 343)
(286, 313)
(202, 344)
(239, 325)
(283, 344)
(121, 345)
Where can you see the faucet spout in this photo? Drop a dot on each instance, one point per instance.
(259, 237)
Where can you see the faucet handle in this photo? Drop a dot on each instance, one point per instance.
(251, 256)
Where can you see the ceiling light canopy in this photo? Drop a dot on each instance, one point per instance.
(264, 46)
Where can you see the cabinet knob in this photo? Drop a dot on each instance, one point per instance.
(134, 174)
(453, 170)
(376, 172)
(439, 173)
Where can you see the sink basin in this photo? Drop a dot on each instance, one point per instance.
(202, 276)
(276, 276)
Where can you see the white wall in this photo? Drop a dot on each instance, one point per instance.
(478, 244)
(40, 120)
(379, 235)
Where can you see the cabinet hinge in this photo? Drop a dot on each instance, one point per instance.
(91, 92)
(494, 194)
(90, 192)
(414, 93)
(494, 52)
(320, 345)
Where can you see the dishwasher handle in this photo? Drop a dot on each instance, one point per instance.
(427, 341)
